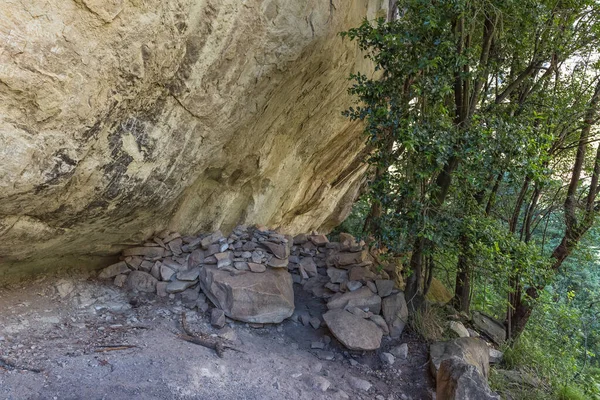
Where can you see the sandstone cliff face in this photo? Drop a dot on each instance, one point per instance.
(119, 118)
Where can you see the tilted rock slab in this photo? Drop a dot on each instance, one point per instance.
(459, 380)
(263, 298)
(123, 118)
(354, 332)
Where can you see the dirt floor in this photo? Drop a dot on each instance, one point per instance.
(54, 332)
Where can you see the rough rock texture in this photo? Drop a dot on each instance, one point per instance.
(473, 351)
(353, 332)
(262, 298)
(459, 380)
(122, 118)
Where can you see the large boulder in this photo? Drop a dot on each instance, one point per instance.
(459, 380)
(263, 298)
(473, 351)
(354, 332)
(123, 118)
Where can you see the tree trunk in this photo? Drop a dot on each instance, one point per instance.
(575, 228)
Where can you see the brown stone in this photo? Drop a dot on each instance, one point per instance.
(459, 380)
(474, 351)
(281, 251)
(362, 274)
(354, 332)
(395, 312)
(318, 240)
(267, 297)
(113, 270)
(346, 259)
(256, 267)
(141, 282)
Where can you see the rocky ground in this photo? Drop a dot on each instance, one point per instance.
(73, 337)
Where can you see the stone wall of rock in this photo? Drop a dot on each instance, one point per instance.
(248, 276)
(122, 118)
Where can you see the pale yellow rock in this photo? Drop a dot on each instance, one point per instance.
(122, 118)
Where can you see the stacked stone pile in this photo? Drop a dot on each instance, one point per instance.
(357, 292)
(246, 276)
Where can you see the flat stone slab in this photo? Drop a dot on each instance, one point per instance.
(361, 298)
(354, 332)
(264, 298)
(113, 270)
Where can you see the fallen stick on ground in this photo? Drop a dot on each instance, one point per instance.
(9, 366)
(214, 343)
(104, 349)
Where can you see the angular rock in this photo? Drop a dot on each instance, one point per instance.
(346, 259)
(362, 298)
(300, 239)
(217, 318)
(256, 298)
(134, 262)
(256, 267)
(196, 258)
(308, 264)
(380, 322)
(146, 266)
(400, 351)
(319, 240)
(120, 280)
(490, 327)
(280, 251)
(149, 252)
(142, 282)
(473, 351)
(387, 358)
(318, 383)
(495, 356)
(337, 275)
(459, 380)
(189, 275)
(166, 273)
(315, 322)
(175, 246)
(353, 332)
(458, 328)
(359, 384)
(275, 262)
(353, 285)
(395, 313)
(242, 266)
(113, 270)
(178, 286)
(161, 289)
(384, 287)
(362, 274)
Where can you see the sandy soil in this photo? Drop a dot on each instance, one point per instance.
(52, 331)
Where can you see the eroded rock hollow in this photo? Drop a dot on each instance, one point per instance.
(124, 117)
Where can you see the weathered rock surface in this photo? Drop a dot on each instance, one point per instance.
(395, 312)
(120, 119)
(490, 327)
(354, 332)
(266, 297)
(473, 351)
(459, 380)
